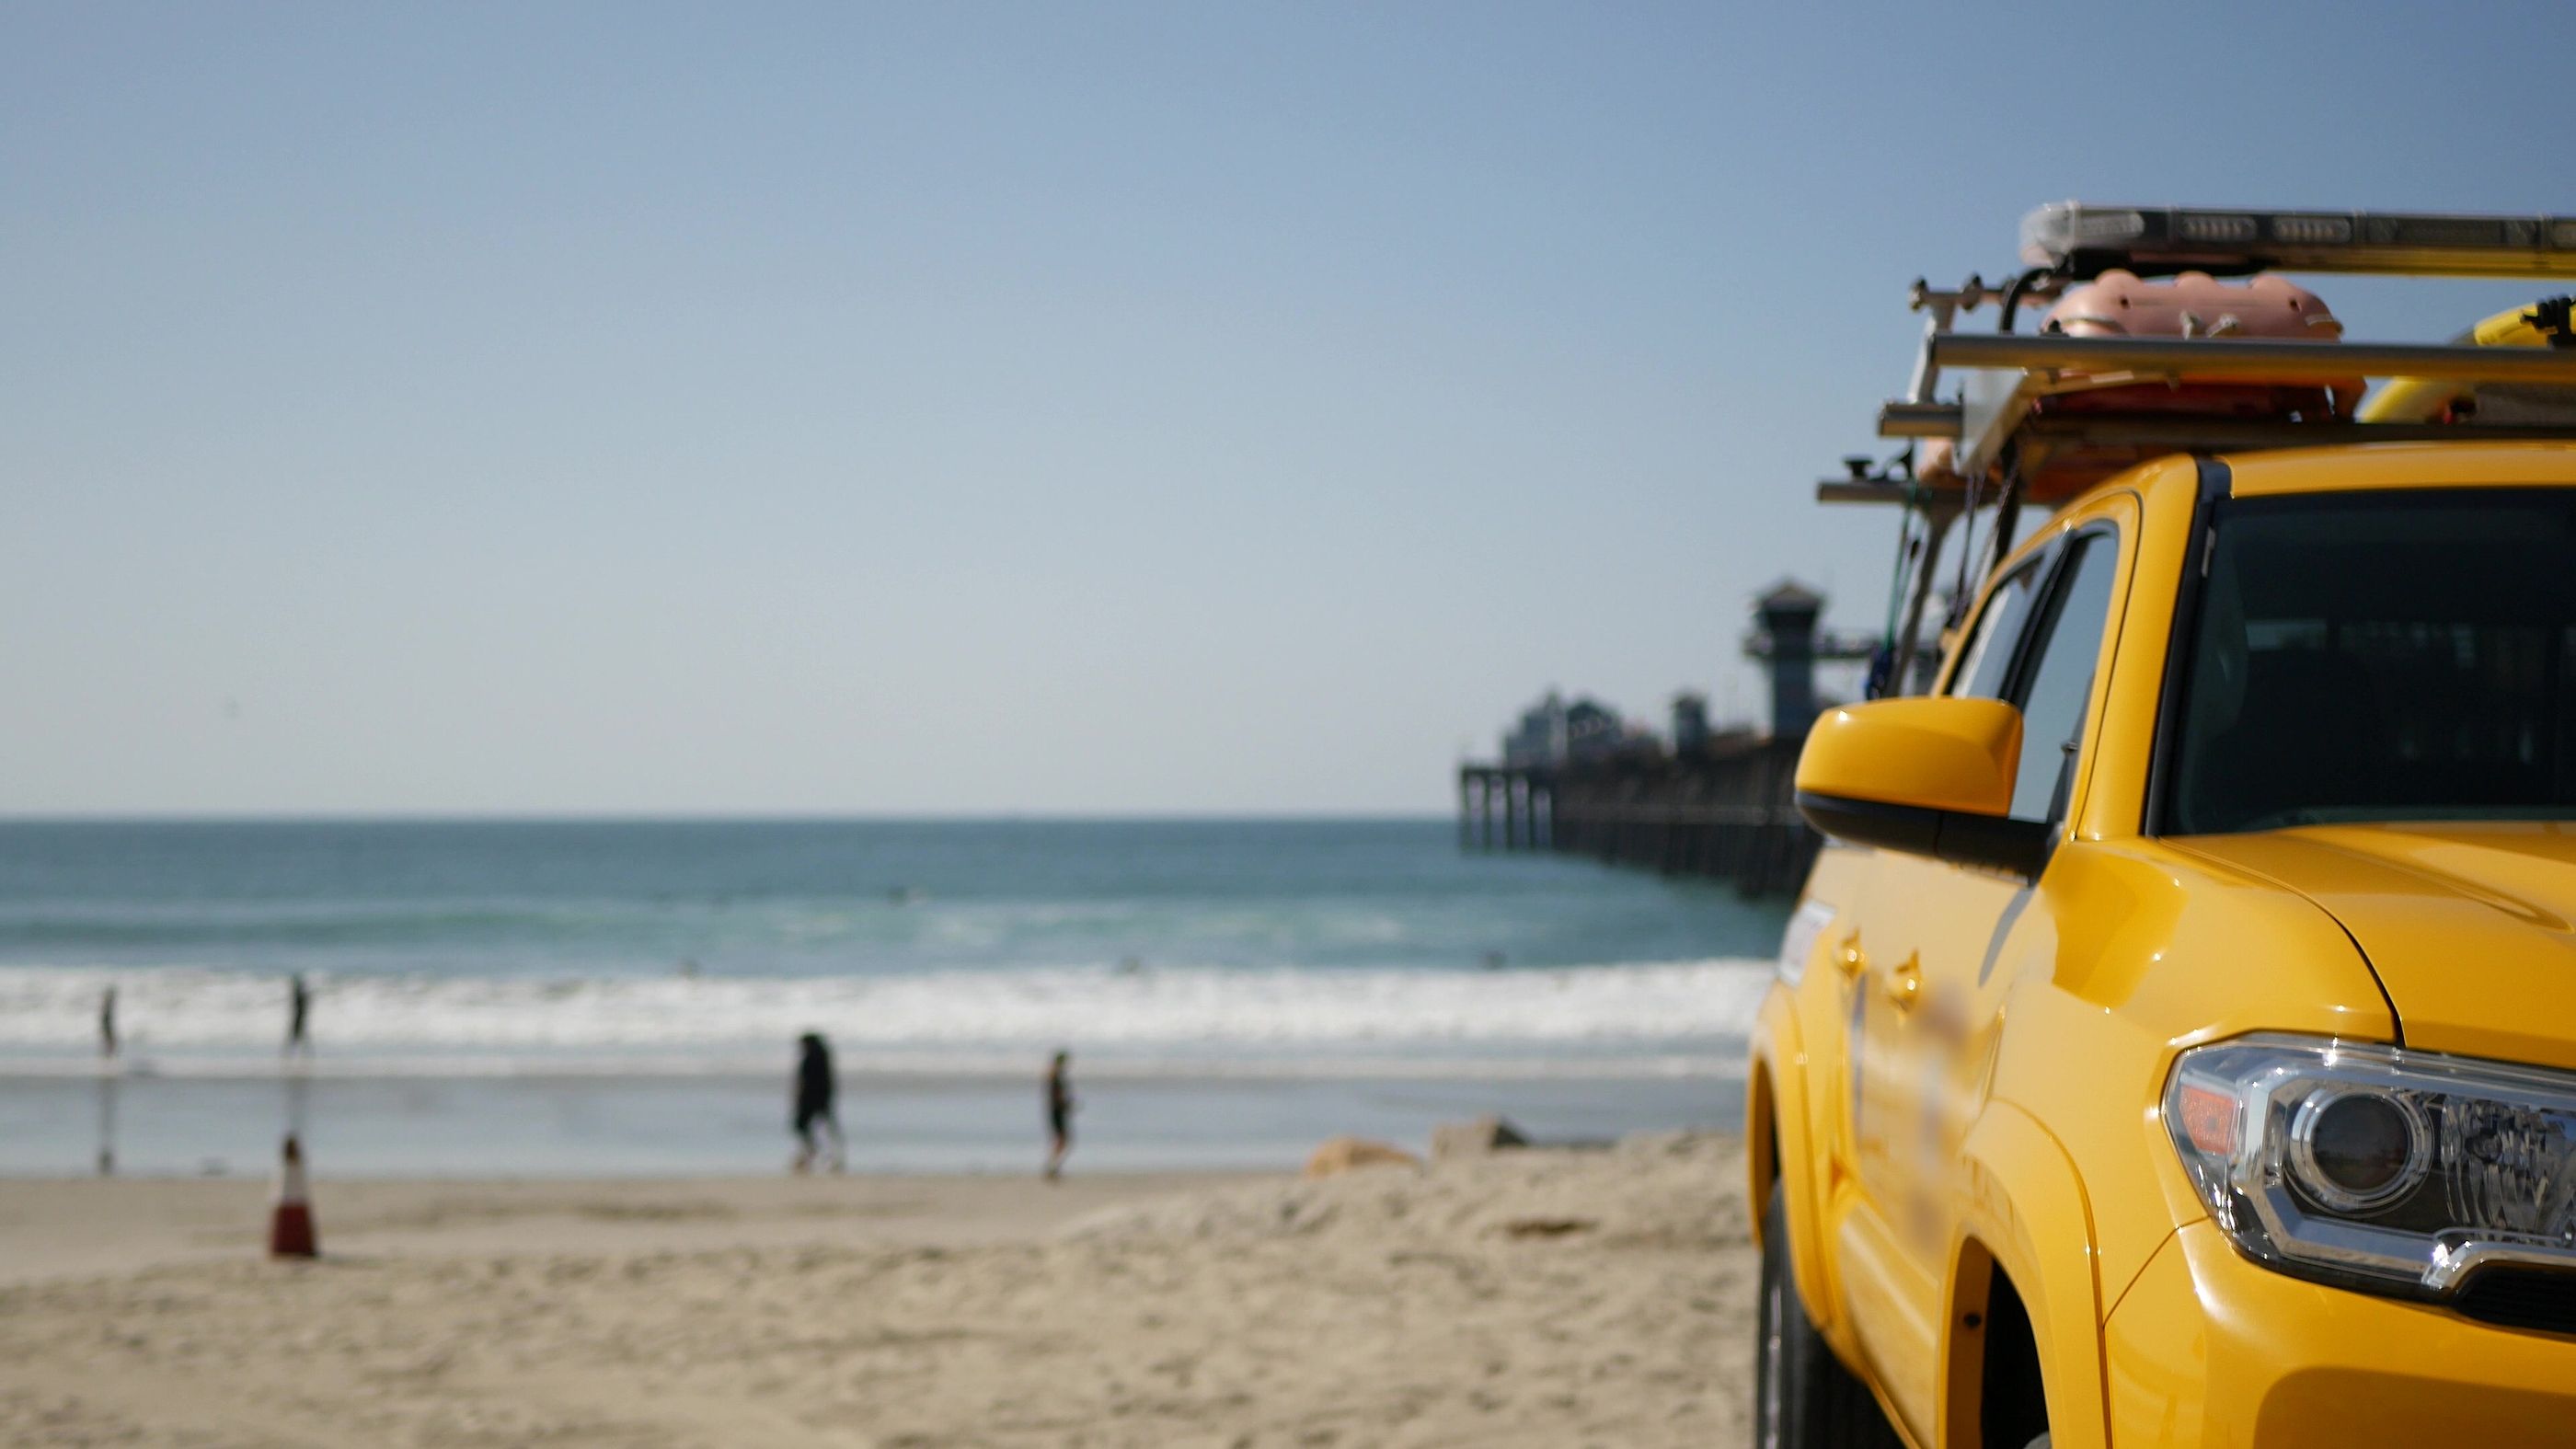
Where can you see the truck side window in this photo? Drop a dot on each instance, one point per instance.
(2060, 676)
(1987, 666)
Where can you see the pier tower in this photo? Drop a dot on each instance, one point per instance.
(1787, 643)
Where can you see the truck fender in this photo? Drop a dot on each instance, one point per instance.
(2025, 1216)
(1776, 1106)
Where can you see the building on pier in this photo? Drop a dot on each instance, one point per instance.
(1552, 732)
(1539, 739)
(1690, 722)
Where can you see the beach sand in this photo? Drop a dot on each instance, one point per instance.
(1548, 1297)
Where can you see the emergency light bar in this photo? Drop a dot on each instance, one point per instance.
(2082, 240)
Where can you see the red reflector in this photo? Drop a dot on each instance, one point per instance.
(2209, 1120)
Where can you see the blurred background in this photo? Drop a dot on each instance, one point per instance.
(604, 537)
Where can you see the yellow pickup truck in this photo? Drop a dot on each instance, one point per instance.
(2175, 1043)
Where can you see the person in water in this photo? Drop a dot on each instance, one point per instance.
(815, 1088)
(1059, 1113)
(107, 1023)
(299, 1006)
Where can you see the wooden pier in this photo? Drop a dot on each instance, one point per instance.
(1573, 780)
(1726, 812)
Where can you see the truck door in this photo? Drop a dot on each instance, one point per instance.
(1938, 932)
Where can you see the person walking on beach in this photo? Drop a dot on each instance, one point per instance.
(299, 1005)
(107, 1023)
(814, 1092)
(1059, 1112)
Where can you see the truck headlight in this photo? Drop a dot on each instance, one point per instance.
(2372, 1166)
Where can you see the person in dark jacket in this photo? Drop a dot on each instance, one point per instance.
(1059, 1114)
(815, 1089)
(299, 1008)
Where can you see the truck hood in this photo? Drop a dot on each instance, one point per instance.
(2468, 926)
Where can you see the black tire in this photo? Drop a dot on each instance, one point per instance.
(1803, 1397)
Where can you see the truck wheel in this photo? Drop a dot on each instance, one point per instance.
(1803, 1398)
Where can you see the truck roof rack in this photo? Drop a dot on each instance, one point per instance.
(2001, 427)
(2007, 375)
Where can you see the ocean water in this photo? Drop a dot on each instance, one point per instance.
(479, 980)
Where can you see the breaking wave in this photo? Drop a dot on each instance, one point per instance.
(1621, 1018)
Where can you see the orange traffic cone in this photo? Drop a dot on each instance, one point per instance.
(290, 1225)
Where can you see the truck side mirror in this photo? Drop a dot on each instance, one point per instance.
(1929, 775)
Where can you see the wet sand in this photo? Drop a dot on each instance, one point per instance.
(575, 1126)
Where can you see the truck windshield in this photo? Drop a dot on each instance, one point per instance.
(2382, 656)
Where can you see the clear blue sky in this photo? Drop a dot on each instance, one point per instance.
(958, 407)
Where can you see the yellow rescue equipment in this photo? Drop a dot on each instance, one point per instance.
(2431, 399)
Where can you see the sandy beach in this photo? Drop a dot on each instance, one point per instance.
(1534, 1297)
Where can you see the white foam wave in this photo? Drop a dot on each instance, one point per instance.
(1663, 1011)
(899, 1066)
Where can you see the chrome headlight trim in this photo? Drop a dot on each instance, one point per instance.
(2490, 1175)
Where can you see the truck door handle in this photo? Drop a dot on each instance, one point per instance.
(1905, 983)
(1849, 957)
